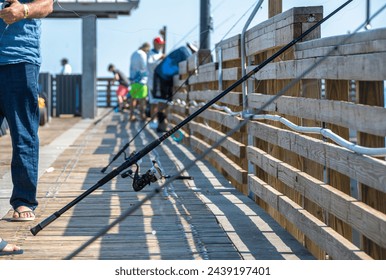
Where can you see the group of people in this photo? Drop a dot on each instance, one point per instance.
(150, 81)
(138, 87)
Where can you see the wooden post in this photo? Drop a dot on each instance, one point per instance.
(108, 92)
(371, 93)
(339, 90)
(162, 32)
(205, 22)
(89, 78)
(312, 89)
(275, 7)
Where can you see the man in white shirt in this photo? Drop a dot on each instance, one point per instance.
(138, 79)
(66, 67)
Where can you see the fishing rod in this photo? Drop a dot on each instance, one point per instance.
(127, 145)
(105, 115)
(123, 149)
(247, 118)
(151, 176)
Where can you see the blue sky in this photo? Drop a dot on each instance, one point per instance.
(119, 38)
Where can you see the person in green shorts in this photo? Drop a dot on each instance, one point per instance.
(138, 78)
(138, 93)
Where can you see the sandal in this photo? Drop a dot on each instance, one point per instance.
(23, 219)
(4, 244)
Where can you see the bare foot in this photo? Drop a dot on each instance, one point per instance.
(9, 249)
(23, 213)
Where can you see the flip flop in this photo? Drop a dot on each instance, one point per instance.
(3, 244)
(23, 219)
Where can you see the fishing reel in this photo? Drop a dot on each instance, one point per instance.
(140, 181)
(151, 176)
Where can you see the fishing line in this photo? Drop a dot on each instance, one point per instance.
(74, 12)
(195, 27)
(2, 34)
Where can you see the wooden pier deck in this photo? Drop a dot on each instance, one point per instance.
(205, 218)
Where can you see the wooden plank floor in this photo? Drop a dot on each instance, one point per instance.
(204, 218)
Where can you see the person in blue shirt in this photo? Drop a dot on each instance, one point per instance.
(19, 70)
(138, 79)
(163, 79)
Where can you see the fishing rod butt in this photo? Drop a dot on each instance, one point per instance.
(35, 230)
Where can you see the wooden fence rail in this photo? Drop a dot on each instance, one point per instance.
(330, 198)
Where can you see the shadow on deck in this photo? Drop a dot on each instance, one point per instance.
(205, 218)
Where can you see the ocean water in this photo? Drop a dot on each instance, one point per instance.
(102, 99)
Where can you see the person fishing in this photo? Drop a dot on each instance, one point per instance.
(163, 80)
(19, 71)
(123, 87)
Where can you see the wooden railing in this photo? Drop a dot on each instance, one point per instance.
(330, 198)
(106, 88)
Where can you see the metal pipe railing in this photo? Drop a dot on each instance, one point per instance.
(243, 51)
(327, 133)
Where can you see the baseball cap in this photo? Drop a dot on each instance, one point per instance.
(192, 46)
(159, 40)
